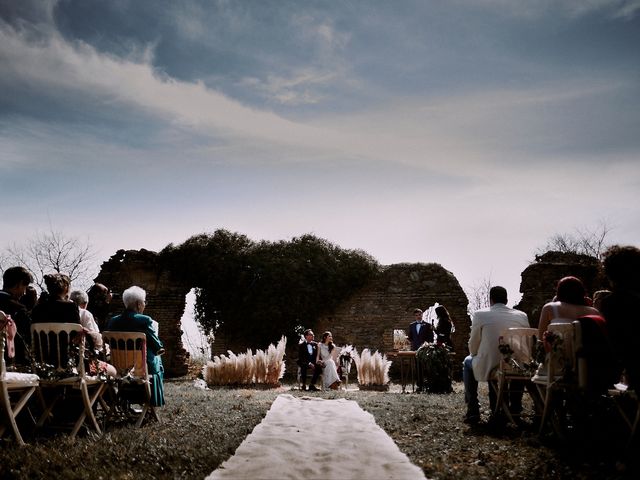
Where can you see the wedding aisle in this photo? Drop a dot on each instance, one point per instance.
(312, 438)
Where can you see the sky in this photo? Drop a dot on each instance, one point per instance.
(462, 132)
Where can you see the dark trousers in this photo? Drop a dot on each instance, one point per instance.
(314, 377)
(516, 391)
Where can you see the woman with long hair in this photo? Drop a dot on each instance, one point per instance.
(326, 359)
(569, 303)
(444, 328)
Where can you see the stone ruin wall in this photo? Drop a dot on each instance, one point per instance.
(539, 279)
(165, 299)
(367, 319)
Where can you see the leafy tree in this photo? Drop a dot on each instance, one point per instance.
(255, 292)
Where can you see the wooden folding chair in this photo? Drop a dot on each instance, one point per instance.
(129, 357)
(522, 343)
(628, 406)
(19, 385)
(55, 344)
(561, 374)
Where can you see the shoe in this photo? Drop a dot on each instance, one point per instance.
(497, 421)
(335, 385)
(472, 419)
(303, 387)
(313, 388)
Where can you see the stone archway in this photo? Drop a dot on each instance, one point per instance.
(165, 299)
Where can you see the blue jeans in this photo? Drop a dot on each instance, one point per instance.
(470, 387)
(471, 391)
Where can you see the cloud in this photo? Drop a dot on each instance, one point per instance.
(613, 9)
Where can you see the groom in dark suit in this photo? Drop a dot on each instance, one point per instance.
(307, 353)
(419, 332)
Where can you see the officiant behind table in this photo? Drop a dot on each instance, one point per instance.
(420, 331)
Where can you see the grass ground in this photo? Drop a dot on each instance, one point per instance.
(202, 428)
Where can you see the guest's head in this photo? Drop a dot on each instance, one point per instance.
(15, 280)
(134, 298)
(622, 267)
(599, 296)
(80, 298)
(58, 284)
(497, 294)
(571, 290)
(30, 297)
(442, 312)
(99, 294)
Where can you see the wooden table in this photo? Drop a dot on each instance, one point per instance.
(407, 359)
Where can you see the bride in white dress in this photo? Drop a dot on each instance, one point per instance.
(327, 357)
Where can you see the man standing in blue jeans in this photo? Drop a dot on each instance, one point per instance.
(486, 327)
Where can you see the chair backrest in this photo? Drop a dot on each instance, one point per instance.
(3, 333)
(54, 344)
(522, 341)
(564, 356)
(128, 352)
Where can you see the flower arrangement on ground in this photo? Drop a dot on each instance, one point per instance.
(373, 370)
(263, 368)
(435, 362)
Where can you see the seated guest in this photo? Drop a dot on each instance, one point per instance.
(307, 353)
(444, 327)
(486, 327)
(569, 304)
(81, 299)
(132, 320)
(327, 359)
(55, 306)
(598, 297)
(100, 304)
(15, 281)
(30, 298)
(621, 309)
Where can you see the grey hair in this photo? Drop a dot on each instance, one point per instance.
(79, 297)
(133, 295)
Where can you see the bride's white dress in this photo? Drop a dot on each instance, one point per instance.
(329, 372)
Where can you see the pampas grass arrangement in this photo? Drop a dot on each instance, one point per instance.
(373, 369)
(264, 368)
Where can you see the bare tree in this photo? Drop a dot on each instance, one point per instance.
(49, 252)
(584, 241)
(478, 294)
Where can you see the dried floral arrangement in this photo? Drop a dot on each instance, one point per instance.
(263, 368)
(373, 369)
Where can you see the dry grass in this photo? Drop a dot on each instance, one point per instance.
(200, 429)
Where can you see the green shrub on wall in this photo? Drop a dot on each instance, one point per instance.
(257, 291)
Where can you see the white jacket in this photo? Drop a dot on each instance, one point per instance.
(486, 327)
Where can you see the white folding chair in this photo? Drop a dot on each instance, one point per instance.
(20, 386)
(522, 343)
(561, 371)
(55, 344)
(129, 357)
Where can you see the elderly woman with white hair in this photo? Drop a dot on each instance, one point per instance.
(132, 320)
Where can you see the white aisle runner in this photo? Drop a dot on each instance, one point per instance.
(311, 438)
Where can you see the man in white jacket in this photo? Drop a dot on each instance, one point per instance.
(486, 327)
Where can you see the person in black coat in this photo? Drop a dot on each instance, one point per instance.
(307, 353)
(15, 281)
(419, 332)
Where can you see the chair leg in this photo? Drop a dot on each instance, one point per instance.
(11, 413)
(88, 402)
